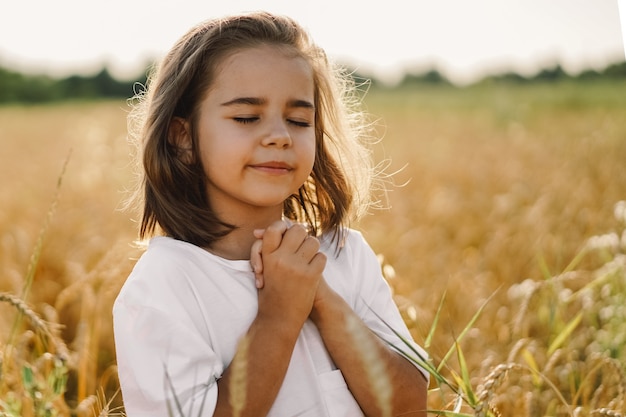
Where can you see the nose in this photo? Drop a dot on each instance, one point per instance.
(278, 134)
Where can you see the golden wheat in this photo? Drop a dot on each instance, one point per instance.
(238, 384)
(501, 189)
(361, 338)
(47, 329)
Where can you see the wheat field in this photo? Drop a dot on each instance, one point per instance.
(501, 235)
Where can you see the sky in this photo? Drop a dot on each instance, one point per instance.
(464, 39)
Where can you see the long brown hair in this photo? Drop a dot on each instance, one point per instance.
(172, 189)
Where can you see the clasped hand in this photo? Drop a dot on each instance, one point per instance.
(288, 269)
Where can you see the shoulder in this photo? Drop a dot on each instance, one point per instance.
(352, 255)
(166, 250)
(165, 254)
(351, 244)
(152, 277)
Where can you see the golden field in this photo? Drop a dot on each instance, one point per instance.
(496, 191)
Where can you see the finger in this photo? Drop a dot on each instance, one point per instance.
(256, 260)
(273, 236)
(295, 237)
(258, 233)
(318, 263)
(309, 247)
(259, 280)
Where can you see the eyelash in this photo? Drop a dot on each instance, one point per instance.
(248, 120)
(245, 120)
(300, 124)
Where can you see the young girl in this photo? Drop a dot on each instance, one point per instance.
(254, 297)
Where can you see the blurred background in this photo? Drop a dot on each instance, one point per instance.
(464, 41)
(502, 231)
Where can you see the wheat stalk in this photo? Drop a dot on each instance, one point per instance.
(97, 406)
(87, 407)
(40, 325)
(615, 366)
(605, 412)
(491, 384)
(515, 350)
(238, 383)
(374, 365)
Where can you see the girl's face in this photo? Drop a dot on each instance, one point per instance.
(256, 131)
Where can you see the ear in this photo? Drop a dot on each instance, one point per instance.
(179, 136)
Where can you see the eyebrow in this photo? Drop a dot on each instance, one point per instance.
(257, 101)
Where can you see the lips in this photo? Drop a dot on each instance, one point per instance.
(273, 167)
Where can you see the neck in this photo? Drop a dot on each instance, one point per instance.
(234, 246)
(237, 244)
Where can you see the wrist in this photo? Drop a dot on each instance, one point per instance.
(327, 305)
(280, 327)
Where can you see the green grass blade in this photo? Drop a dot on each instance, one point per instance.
(467, 385)
(560, 338)
(34, 259)
(576, 261)
(464, 332)
(530, 360)
(431, 333)
(448, 413)
(543, 267)
(414, 356)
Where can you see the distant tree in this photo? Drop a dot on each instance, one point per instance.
(107, 86)
(617, 70)
(21, 88)
(551, 74)
(432, 76)
(29, 89)
(589, 75)
(9, 85)
(77, 86)
(509, 77)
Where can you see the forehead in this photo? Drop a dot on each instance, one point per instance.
(264, 69)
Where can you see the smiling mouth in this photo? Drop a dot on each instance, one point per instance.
(273, 167)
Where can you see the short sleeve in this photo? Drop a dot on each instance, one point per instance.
(375, 304)
(163, 364)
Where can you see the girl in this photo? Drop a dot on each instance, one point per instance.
(254, 297)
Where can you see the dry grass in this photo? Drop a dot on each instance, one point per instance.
(502, 188)
(500, 185)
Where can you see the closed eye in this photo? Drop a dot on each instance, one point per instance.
(245, 120)
(299, 123)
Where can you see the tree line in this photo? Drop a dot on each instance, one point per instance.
(17, 87)
(553, 74)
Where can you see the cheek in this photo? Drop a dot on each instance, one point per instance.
(218, 146)
(216, 160)
(309, 151)
(220, 159)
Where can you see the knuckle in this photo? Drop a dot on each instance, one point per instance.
(277, 226)
(315, 243)
(299, 227)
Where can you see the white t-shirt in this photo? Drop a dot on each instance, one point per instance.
(182, 311)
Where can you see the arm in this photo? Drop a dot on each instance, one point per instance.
(353, 347)
(344, 332)
(292, 270)
(251, 382)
